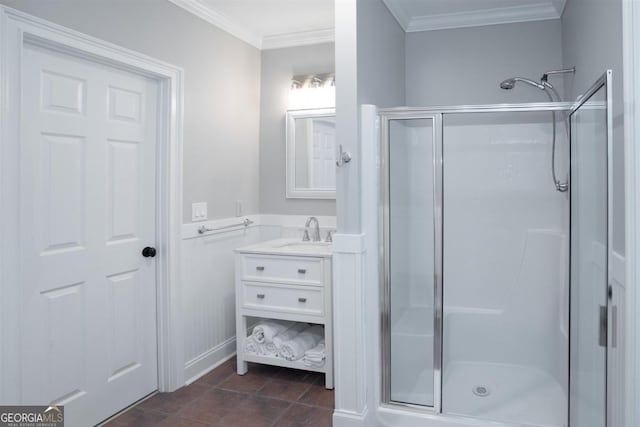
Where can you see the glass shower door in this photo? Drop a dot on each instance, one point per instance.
(590, 142)
(410, 241)
(505, 305)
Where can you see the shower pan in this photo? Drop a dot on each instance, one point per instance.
(494, 286)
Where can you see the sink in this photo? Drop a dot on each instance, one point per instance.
(303, 247)
(289, 246)
(296, 246)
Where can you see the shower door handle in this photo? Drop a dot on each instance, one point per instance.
(614, 326)
(602, 333)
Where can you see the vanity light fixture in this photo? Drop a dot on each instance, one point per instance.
(312, 91)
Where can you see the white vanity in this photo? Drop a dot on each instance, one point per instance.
(284, 279)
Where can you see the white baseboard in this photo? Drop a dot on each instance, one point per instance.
(349, 419)
(209, 360)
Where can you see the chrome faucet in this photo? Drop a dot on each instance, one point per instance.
(316, 232)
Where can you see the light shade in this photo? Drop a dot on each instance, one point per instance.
(314, 92)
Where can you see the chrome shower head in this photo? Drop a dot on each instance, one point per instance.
(508, 84)
(511, 83)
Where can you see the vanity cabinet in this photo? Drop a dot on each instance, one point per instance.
(285, 281)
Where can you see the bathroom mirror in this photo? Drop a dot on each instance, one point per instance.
(311, 148)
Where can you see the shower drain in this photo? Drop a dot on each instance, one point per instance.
(481, 391)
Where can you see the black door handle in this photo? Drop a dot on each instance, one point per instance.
(149, 252)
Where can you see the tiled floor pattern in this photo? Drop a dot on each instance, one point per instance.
(267, 396)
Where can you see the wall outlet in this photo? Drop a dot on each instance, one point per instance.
(199, 212)
(238, 207)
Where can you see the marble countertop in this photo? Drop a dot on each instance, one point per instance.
(291, 247)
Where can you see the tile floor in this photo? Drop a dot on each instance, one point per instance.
(267, 396)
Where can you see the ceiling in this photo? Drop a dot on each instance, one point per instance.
(426, 15)
(269, 24)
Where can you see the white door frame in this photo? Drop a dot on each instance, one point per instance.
(16, 28)
(631, 47)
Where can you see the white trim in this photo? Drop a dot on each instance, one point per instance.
(349, 243)
(631, 61)
(398, 12)
(559, 5)
(212, 16)
(477, 18)
(16, 27)
(355, 287)
(209, 360)
(296, 221)
(190, 230)
(349, 318)
(343, 418)
(292, 191)
(303, 38)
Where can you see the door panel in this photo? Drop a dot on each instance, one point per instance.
(590, 250)
(87, 185)
(412, 261)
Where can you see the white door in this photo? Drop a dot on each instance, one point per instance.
(323, 149)
(87, 210)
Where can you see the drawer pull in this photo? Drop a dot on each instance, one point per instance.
(302, 270)
(302, 300)
(260, 296)
(260, 268)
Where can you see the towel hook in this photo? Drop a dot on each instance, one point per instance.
(343, 158)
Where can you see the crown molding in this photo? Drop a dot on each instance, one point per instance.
(299, 39)
(398, 12)
(505, 15)
(559, 5)
(201, 10)
(212, 16)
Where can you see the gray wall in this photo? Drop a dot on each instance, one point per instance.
(466, 65)
(370, 70)
(381, 56)
(222, 89)
(592, 41)
(278, 67)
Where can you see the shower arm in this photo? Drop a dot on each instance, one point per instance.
(553, 96)
(545, 76)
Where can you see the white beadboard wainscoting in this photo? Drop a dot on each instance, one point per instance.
(208, 276)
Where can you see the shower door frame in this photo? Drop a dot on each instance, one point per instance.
(436, 114)
(436, 120)
(609, 328)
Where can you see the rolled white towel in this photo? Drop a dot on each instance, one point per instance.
(265, 330)
(271, 348)
(316, 356)
(289, 334)
(251, 346)
(284, 336)
(295, 348)
(317, 352)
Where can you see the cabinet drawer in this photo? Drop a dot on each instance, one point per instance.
(293, 299)
(299, 269)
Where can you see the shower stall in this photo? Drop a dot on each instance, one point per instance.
(494, 278)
